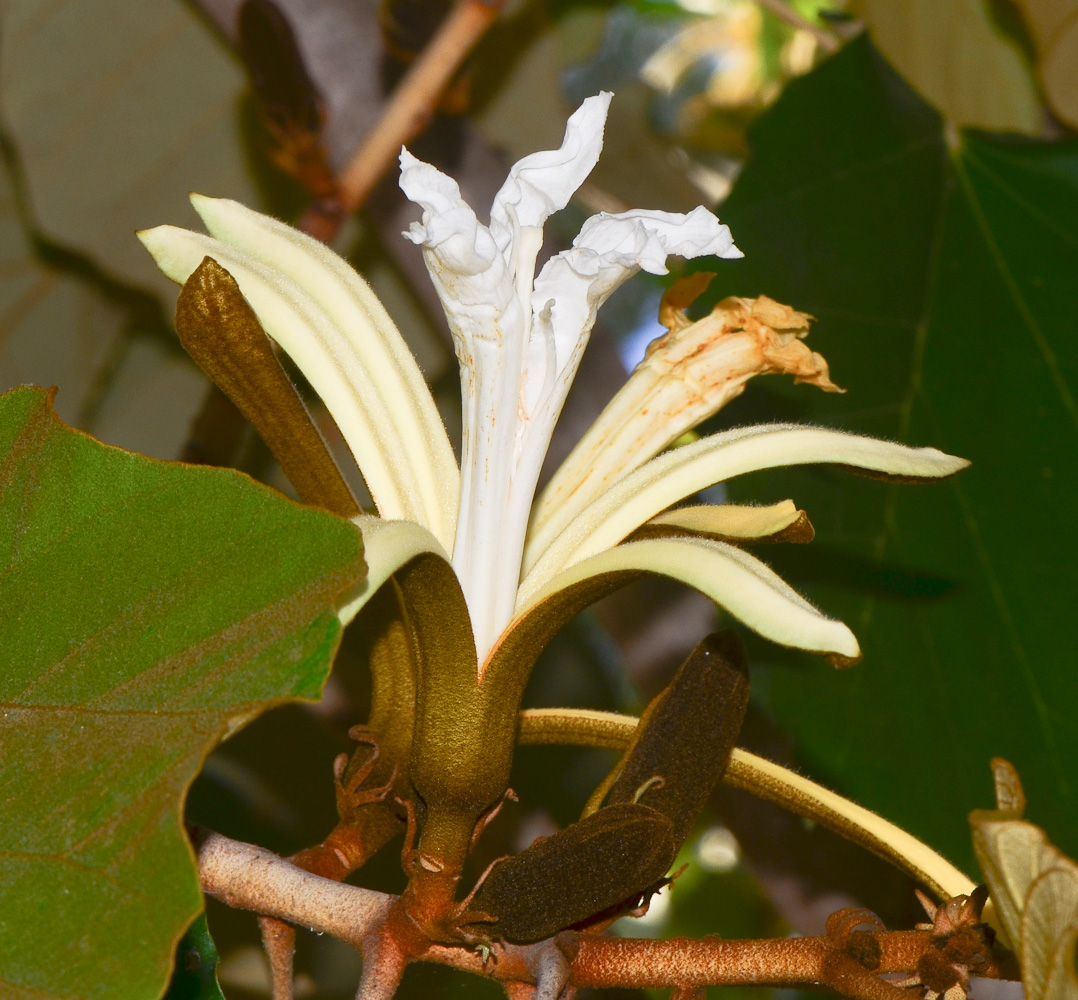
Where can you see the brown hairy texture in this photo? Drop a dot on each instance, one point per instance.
(593, 867)
(221, 332)
(683, 744)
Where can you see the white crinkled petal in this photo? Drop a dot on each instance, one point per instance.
(465, 265)
(541, 184)
(573, 284)
(427, 186)
(646, 238)
(487, 319)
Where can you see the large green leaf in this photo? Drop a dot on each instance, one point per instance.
(941, 266)
(147, 609)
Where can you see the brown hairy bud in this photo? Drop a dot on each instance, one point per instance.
(601, 865)
(685, 738)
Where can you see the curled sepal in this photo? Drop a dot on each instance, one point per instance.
(736, 581)
(734, 523)
(600, 865)
(221, 332)
(673, 476)
(1033, 887)
(680, 750)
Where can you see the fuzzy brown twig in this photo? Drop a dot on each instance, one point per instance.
(250, 877)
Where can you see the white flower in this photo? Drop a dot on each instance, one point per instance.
(519, 339)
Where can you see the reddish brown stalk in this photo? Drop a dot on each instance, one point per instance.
(279, 943)
(686, 962)
(252, 878)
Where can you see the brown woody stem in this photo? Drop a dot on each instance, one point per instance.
(603, 962)
(279, 943)
(249, 877)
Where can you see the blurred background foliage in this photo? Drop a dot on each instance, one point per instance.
(906, 172)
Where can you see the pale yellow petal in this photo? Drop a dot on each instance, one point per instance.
(387, 546)
(735, 522)
(747, 588)
(687, 376)
(678, 474)
(369, 330)
(313, 341)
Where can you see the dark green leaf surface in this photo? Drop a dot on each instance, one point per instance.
(147, 608)
(942, 268)
(195, 974)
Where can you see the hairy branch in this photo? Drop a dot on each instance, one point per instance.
(252, 878)
(603, 962)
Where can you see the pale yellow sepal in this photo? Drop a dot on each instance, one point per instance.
(736, 521)
(369, 330)
(1033, 887)
(304, 330)
(747, 588)
(387, 546)
(678, 474)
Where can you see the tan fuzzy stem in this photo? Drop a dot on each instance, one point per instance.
(251, 878)
(279, 943)
(687, 962)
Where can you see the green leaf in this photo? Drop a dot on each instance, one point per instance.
(956, 55)
(149, 608)
(941, 267)
(195, 975)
